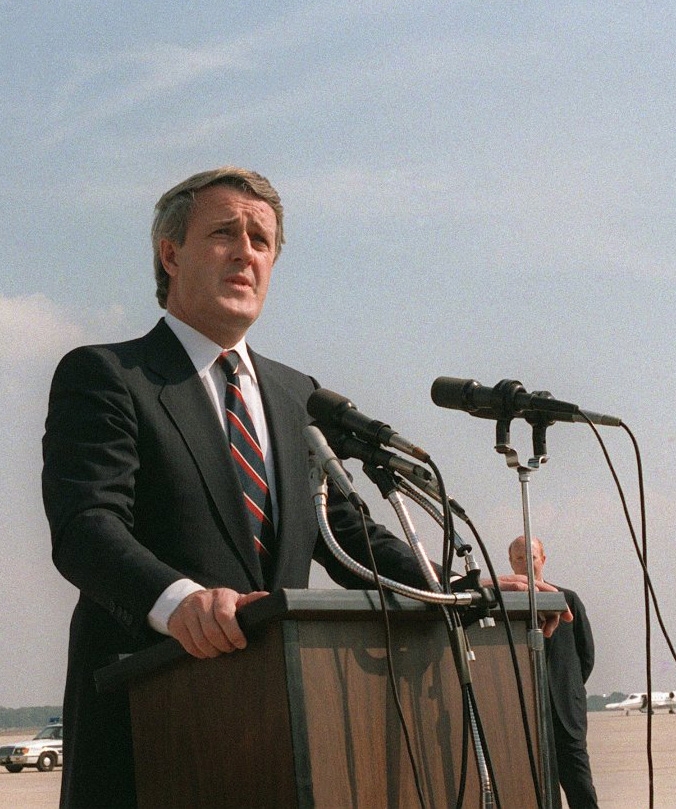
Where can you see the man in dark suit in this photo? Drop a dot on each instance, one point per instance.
(149, 516)
(146, 509)
(570, 660)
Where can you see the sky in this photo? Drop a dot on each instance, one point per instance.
(476, 190)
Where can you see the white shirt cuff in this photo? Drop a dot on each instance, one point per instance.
(159, 615)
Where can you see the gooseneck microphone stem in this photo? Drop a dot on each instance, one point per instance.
(319, 492)
(388, 488)
(462, 549)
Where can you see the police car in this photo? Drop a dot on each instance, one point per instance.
(43, 752)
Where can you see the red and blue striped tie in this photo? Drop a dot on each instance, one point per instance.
(248, 457)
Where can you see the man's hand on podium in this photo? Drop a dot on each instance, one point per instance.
(204, 623)
(517, 582)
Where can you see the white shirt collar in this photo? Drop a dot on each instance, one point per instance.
(202, 351)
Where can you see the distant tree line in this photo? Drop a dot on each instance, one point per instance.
(35, 717)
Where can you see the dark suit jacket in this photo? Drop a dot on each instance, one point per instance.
(570, 660)
(140, 490)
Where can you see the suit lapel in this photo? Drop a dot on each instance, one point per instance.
(184, 398)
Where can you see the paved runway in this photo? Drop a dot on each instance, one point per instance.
(617, 745)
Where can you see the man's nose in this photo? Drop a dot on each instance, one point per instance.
(242, 248)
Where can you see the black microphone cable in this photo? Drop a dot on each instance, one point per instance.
(649, 594)
(390, 665)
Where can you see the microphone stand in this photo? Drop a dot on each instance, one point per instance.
(536, 644)
(462, 652)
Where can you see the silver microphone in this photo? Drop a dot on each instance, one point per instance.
(327, 460)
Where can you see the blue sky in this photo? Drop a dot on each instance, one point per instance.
(476, 190)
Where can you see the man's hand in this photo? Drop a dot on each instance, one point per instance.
(204, 622)
(548, 622)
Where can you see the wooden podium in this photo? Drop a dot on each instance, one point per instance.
(305, 717)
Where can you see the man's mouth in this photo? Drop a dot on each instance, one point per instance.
(238, 280)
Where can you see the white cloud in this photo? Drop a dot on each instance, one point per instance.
(33, 327)
(35, 332)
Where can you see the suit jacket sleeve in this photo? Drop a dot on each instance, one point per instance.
(91, 463)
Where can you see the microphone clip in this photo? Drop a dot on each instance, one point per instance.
(539, 421)
(503, 444)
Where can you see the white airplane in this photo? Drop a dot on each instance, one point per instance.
(661, 700)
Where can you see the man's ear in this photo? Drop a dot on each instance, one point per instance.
(167, 253)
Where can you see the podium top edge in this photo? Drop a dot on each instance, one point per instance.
(357, 604)
(311, 604)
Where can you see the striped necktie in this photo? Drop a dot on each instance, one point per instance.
(248, 457)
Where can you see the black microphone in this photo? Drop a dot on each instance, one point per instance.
(346, 445)
(327, 460)
(328, 407)
(509, 399)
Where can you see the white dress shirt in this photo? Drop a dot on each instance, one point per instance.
(204, 354)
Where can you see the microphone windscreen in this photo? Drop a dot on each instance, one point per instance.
(324, 404)
(448, 391)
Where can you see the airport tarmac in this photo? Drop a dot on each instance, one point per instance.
(617, 746)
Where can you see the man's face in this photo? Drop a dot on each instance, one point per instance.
(219, 276)
(518, 561)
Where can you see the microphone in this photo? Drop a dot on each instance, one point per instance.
(328, 407)
(328, 462)
(346, 445)
(509, 399)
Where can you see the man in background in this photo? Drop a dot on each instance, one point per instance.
(570, 660)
